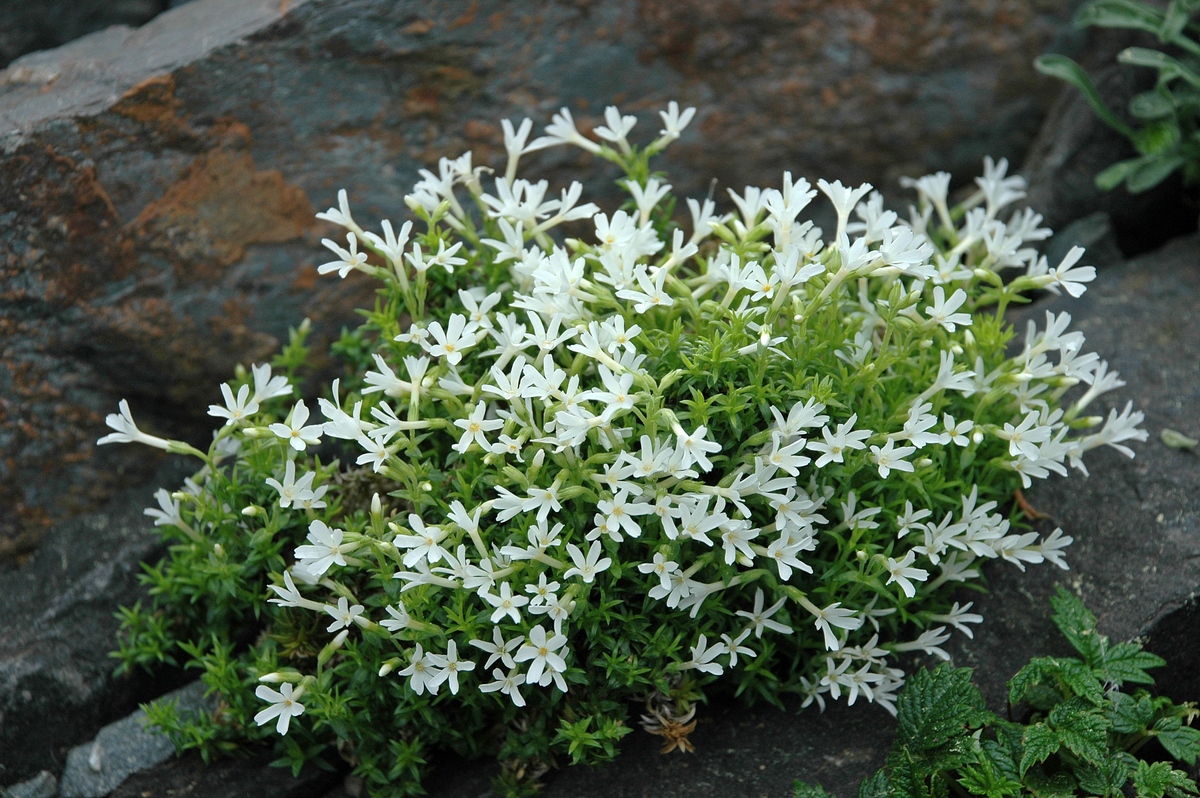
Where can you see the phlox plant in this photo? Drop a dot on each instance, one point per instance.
(580, 460)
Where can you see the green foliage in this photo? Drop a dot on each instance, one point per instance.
(1080, 738)
(1168, 138)
(558, 477)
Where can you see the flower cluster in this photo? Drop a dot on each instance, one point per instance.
(616, 454)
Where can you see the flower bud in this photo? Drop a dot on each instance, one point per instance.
(252, 510)
(219, 550)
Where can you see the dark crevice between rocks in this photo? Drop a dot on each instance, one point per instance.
(29, 27)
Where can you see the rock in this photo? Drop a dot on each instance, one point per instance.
(225, 778)
(1135, 561)
(157, 225)
(57, 626)
(43, 785)
(121, 749)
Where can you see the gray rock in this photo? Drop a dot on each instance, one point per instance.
(50, 23)
(43, 785)
(57, 626)
(156, 227)
(121, 749)
(226, 778)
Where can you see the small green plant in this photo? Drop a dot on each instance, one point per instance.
(581, 461)
(1168, 136)
(1081, 737)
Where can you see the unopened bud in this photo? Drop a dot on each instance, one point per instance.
(924, 462)
(251, 510)
(977, 436)
(956, 349)
(219, 550)
(861, 555)
(376, 506)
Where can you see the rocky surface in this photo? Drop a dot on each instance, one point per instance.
(157, 223)
(57, 626)
(50, 23)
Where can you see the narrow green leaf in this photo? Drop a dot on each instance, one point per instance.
(1150, 781)
(1064, 68)
(1168, 66)
(1151, 172)
(1181, 742)
(1152, 105)
(1178, 13)
(1120, 14)
(1116, 174)
(1039, 741)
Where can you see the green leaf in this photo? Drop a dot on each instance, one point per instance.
(1130, 715)
(1151, 172)
(1063, 68)
(1081, 729)
(1177, 440)
(1181, 742)
(1150, 781)
(1039, 741)
(1180, 786)
(936, 714)
(877, 786)
(1057, 785)
(1077, 623)
(1151, 105)
(906, 779)
(1120, 14)
(1116, 174)
(803, 790)
(1178, 13)
(1055, 673)
(1169, 68)
(1105, 779)
(1127, 662)
(982, 779)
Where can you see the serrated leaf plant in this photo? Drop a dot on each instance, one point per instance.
(1081, 738)
(582, 460)
(1167, 132)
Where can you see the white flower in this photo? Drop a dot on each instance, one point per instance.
(341, 214)
(291, 489)
(127, 431)
(299, 436)
(889, 458)
(343, 614)
(831, 616)
(673, 121)
(268, 387)
(901, 572)
(506, 684)
(1071, 279)
(452, 340)
(761, 619)
(235, 410)
(499, 648)
(474, 428)
(703, 655)
(587, 567)
(422, 672)
(505, 603)
(348, 259)
(451, 666)
(942, 310)
(325, 548)
(692, 448)
(285, 705)
(834, 447)
(170, 514)
(541, 652)
(617, 127)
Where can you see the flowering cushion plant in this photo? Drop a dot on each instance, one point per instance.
(560, 474)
